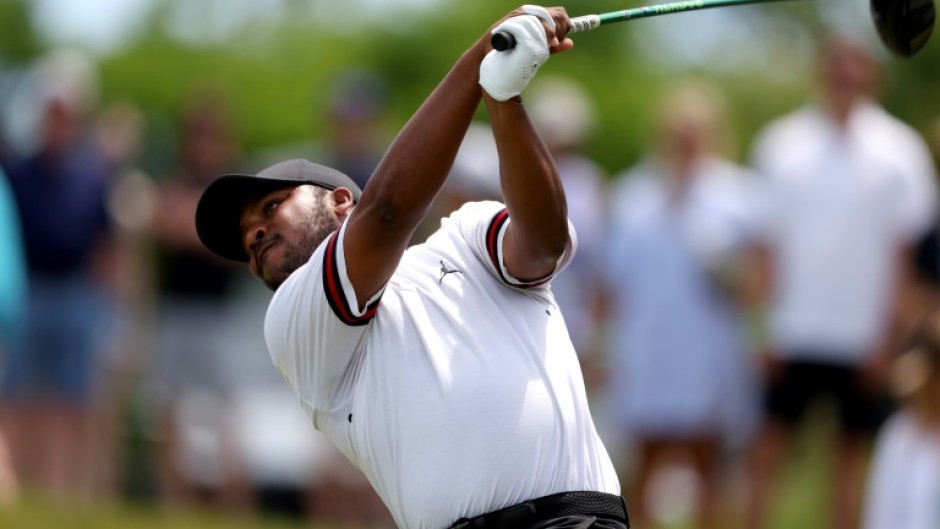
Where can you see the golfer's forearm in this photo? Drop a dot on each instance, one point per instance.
(532, 190)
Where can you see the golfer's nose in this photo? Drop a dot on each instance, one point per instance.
(253, 238)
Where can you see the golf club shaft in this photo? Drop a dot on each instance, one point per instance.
(503, 41)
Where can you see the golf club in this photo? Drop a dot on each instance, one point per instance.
(503, 41)
(903, 25)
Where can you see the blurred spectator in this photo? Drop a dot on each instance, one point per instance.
(849, 189)
(354, 133)
(904, 485)
(212, 385)
(51, 379)
(119, 130)
(565, 117)
(194, 288)
(13, 289)
(678, 372)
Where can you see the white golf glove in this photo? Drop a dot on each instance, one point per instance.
(504, 74)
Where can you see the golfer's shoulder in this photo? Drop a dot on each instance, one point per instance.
(301, 296)
(477, 211)
(471, 218)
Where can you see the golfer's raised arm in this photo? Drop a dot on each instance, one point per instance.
(538, 233)
(410, 175)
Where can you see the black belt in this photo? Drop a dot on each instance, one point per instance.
(584, 503)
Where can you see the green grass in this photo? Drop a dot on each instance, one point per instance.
(33, 514)
(801, 497)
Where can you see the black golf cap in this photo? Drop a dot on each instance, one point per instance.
(220, 207)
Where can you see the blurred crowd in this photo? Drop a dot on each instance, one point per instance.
(720, 307)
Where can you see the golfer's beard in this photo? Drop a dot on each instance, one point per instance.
(296, 255)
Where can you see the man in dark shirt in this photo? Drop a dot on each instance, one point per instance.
(50, 380)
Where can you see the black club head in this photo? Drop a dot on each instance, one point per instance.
(904, 26)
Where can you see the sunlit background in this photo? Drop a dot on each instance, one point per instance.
(276, 58)
(275, 78)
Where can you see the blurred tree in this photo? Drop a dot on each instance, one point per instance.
(914, 85)
(18, 41)
(278, 61)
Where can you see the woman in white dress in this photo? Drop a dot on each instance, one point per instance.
(679, 373)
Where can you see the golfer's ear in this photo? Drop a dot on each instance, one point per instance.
(343, 201)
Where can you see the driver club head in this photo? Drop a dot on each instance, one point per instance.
(904, 26)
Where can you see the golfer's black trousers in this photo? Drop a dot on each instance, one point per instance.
(567, 510)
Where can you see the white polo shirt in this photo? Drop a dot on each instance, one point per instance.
(456, 390)
(839, 206)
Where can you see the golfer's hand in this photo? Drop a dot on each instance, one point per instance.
(538, 32)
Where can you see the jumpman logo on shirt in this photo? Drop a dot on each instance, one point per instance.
(445, 271)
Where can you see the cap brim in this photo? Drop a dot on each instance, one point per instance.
(218, 214)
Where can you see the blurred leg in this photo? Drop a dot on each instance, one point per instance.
(9, 488)
(18, 421)
(648, 455)
(705, 455)
(82, 453)
(236, 492)
(103, 466)
(175, 490)
(847, 482)
(64, 436)
(56, 439)
(765, 457)
(19, 410)
(68, 352)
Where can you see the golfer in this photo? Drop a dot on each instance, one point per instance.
(443, 371)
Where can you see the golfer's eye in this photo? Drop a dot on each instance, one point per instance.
(270, 207)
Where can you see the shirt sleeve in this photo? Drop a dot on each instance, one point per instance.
(483, 226)
(314, 327)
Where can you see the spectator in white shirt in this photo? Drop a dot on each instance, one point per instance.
(849, 189)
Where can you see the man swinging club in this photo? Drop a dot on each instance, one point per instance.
(443, 371)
